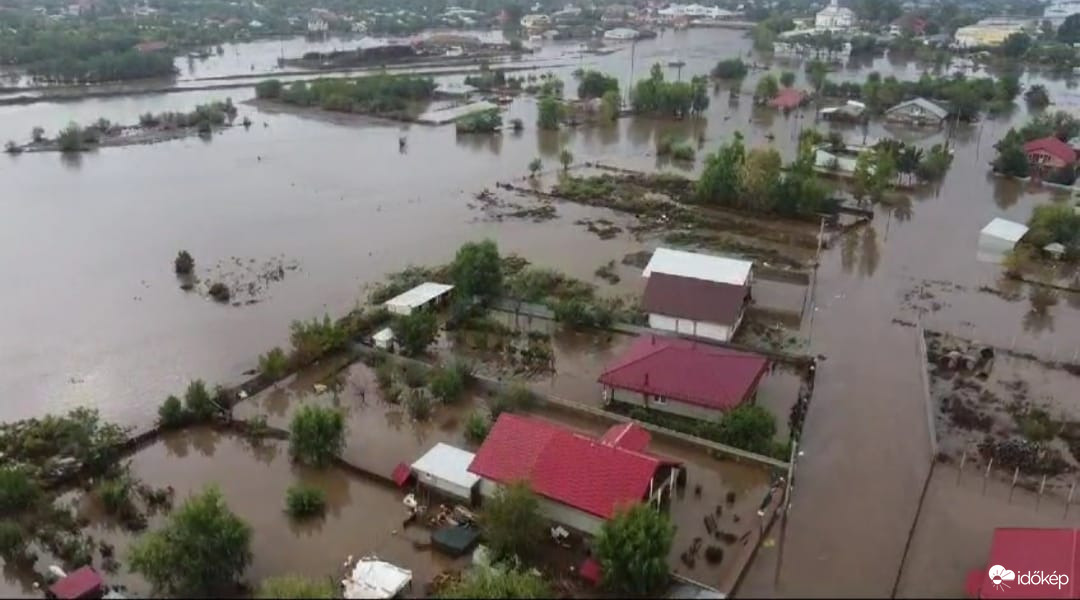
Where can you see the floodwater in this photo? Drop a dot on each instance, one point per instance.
(93, 314)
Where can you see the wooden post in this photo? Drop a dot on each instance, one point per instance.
(1016, 473)
(1042, 485)
(960, 472)
(987, 474)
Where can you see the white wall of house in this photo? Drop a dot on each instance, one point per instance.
(444, 486)
(703, 329)
(555, 512)
(674, 407)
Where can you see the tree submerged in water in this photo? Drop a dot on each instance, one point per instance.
(184, 264)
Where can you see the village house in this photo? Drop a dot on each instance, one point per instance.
(696, 294)
(834, 18)
(788, 99)
(1049, 154)
(917, 112)
(580, 480)
(683, 377)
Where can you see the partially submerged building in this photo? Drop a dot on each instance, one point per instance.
(580, 480)
(445, 469)
(917, 112)
(851, 111)
(998, 238)
(1049, 154)
(696, 294)
(425, 295)
(374, 578)
(788, 99)
(683, 377)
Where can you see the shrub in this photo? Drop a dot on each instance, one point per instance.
(184, 263)
(447, 384)
(172, 414)
(486, 121)
(304, 501)
(274, 363)
(511, 522)
(311, 339)
(517, 124)
(418, 404)
(733, 68)
(513, 398)
(12, 540)
(197, 401)
(115, 495)
(296, 587)
(316, 435)
(18, 491)
(415, 375)
(477, 427)
(750, 427)
(633, 548)
(220, 292)
(581, 314)
(498, 582)
(384, 374)
(416, 331)
(72, 139)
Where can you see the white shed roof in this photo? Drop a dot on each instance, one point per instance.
(373, 578)
(384, 335)
(1006, 230)
(448, 463)
(418, 296)
(699, 266)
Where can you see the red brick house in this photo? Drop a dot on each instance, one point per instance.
(1049, 154)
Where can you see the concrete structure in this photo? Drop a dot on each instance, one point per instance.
(446, 469)
(998, 238)
(834, 18)
(988, 32)
(693, 306)
(918, 112)
(1049, 154)
(580, 480)
(682, 377)
(425, 294)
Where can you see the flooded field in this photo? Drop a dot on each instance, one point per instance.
(344, 205)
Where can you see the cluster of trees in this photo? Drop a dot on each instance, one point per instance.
(111, 66)
(374, 94)
(1011, 159)
(892, 161)
(1050, 223)
(670, 98)
(204, 117)
(732, 68)
(596, 84)
(755, 180)
(486, 121)
(85, 53)
(966, 96)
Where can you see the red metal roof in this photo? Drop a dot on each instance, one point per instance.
(687, 371)
(563, 465)
(1021, 553)
(696, 299)
(628, 436)
(787, 98)
(1052, 146)
(83, 582)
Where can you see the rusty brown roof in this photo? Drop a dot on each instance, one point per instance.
(697, 299)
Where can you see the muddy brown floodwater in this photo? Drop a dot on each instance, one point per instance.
(92, 314)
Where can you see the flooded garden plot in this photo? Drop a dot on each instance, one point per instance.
(1011, 408)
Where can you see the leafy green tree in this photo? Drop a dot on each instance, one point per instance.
(184, 263)
(787, 79)
(497, 582)
(719, 182)
(732, 68)
(767, 88)
(1016, 45)
(1036, 96)
(633, 548)
(817, 72)
(304, 501)
(172, 413)
(1008, 86)
(535, 165)
(1011, 159)
(549, 113)
(198, 403)
(274, 363)
(610, 105)
(594, 84)
(72, 139)
(934, 164)
(566, 158)
(203, 549)
(1054, 223)
(485, 121)
(477, 427)
(415, 331)
(750, 427)
(758, 177)
(18, 491)
(1069, 31)
(477, 270)
(908, 160)
(316, 435)
(447, 384)
(289, 587)
(12, 540)
(699, 94)
(269, 88)
(37, 134)
(511, 522)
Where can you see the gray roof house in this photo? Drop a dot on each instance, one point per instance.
(919, 112)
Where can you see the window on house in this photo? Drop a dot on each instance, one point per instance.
(659, 400)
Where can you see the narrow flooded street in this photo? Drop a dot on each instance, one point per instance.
(94, 316)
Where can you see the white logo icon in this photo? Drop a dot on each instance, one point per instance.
(999, 575)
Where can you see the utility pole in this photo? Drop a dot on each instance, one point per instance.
(630, 81)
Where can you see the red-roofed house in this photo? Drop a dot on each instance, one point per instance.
(80, 584)
(1016, 555)
(580, 480)
(1049, 154)
(683, 377)
(787, 99)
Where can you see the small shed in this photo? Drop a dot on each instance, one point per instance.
(1056, 250)
(425, 294)
(384, 338)
(446, 469)
(998, 238)
(455, 540)
(373, 578)
(81, 583)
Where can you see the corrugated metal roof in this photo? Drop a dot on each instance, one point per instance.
(699, 266)
(1005, 229)
(696, 299)
(418, 296)
(447, 463)
(924, 104)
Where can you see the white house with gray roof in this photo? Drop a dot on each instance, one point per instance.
(918, 112)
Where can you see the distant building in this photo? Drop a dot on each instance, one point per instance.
(918, 112)
(1058, 11)
(1049, 154)
(788, 99)
(317, 24)
(998, 238)
(693, 11)
(580, 480)
(536, 22)
(621, 34)
(988, 32)
(852, 111)
(834, 17)
(683, 377)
